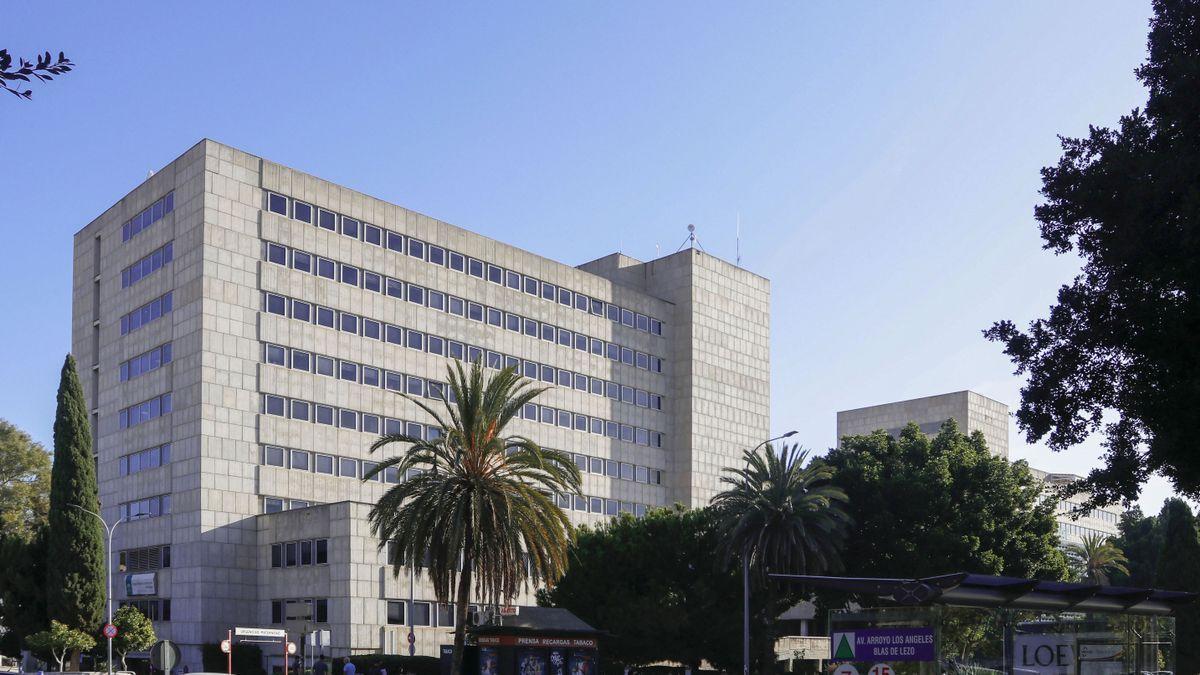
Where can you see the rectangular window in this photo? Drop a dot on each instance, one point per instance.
(457, 262)
(531, 286)
(581, 302)
(349, 275)
(596, 505)
(415, 339)
(493, 316)
(512, 280)
(421, 614)
(549, 291)
(300, 460)
(302, 261)
(324, 464)
(277, 203)
(455, 349)
(325, 317)
(437, 255)
(512, 322)
(348, 419)
(324, 366)
(350, 227)
(395, 242)
(323, 414)
(326, 268)
(655, 327)
(273, 456)
(456, 306)
(302, 212)
(474, 311)
(326, 220)
(416, 248)
(445, 615)
(301, 311)
(347, 467)
(371, 329)
(162, 305)
(564, 297)
(495, 274)
(548, 332)
(306, 552)
(416, 294)
(348, 370)
(300, 410)
(435, 345)
(370, 424)
(321, 551)
(276, 555)
(372, 235)
(395, 612)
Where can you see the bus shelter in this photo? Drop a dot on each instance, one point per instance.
(983, 625)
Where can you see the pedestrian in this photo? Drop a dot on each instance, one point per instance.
(382, 669)
(348, 668)
(321, 668)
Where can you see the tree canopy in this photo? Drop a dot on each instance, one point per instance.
(1141, 540)
(925, 506)
(134, 632)
(481, 506)
(1117, 353)
(24, 482)
(43, 69)
(75, 558)
(1179, 569)
(659, 584)
(60, 640)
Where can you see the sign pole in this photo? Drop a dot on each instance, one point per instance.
(229, 656)
(285, 654)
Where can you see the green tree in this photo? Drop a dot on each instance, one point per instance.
(1116, 353)
(1141, 539)
(134, 632)
(75, 557)
(482, 507)
(1179, 570)
(24, 481)
(22, 587)
(779, 514)
(44, 69)
(927, 506)
(60, 640)
(659, 585)
(1096, 559)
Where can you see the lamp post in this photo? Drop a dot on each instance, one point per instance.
(746, 581)
(108, 567)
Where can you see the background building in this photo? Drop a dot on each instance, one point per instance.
(975, 412)
(244, 330)
(972, 411)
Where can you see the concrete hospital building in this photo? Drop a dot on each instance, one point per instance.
(243, 330)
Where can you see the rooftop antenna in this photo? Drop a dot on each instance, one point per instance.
(691, 241)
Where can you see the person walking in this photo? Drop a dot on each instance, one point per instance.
(321, 668)
(348, 667)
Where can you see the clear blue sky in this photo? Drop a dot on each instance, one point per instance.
(884, 159)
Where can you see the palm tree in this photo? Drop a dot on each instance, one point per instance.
(782, 515)
(1096, 558)
(480, 508)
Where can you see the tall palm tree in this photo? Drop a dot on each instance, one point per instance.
(481, 508)
(782, 515)
(1096, 558)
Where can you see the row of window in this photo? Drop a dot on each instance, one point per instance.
(151, 458)
(474, 311)
(599, 505)
(277, 504)
(422, 613)
(619, 470)
(344, 418)
(148, 217)
(147, 266)
(329, 465)
(1071, 529)
(315, 610)
(150, 507)
(349, 467)
(144, 363)
(1099, 514)
(459, 262)
(145, 559)
(145, 411)
(303, 552)
(372, 376)
(148, 312)
(158, 609)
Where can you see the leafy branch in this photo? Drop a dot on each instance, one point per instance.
(43, 70)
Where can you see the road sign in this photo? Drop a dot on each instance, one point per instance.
(291, 648)
(260, 632)
(846, 669)
(411, 637)
(226, 647)
(110, 631)
(164, 655)
(881, 669)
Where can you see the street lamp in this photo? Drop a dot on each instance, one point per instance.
(746, 582)
(108, 566)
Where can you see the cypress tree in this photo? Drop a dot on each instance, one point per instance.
(75, 548)
(1179, 570)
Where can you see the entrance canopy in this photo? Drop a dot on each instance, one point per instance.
(979, 590)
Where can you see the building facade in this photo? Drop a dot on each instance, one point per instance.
(972, 411)
(244, 330)
(975, 412)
